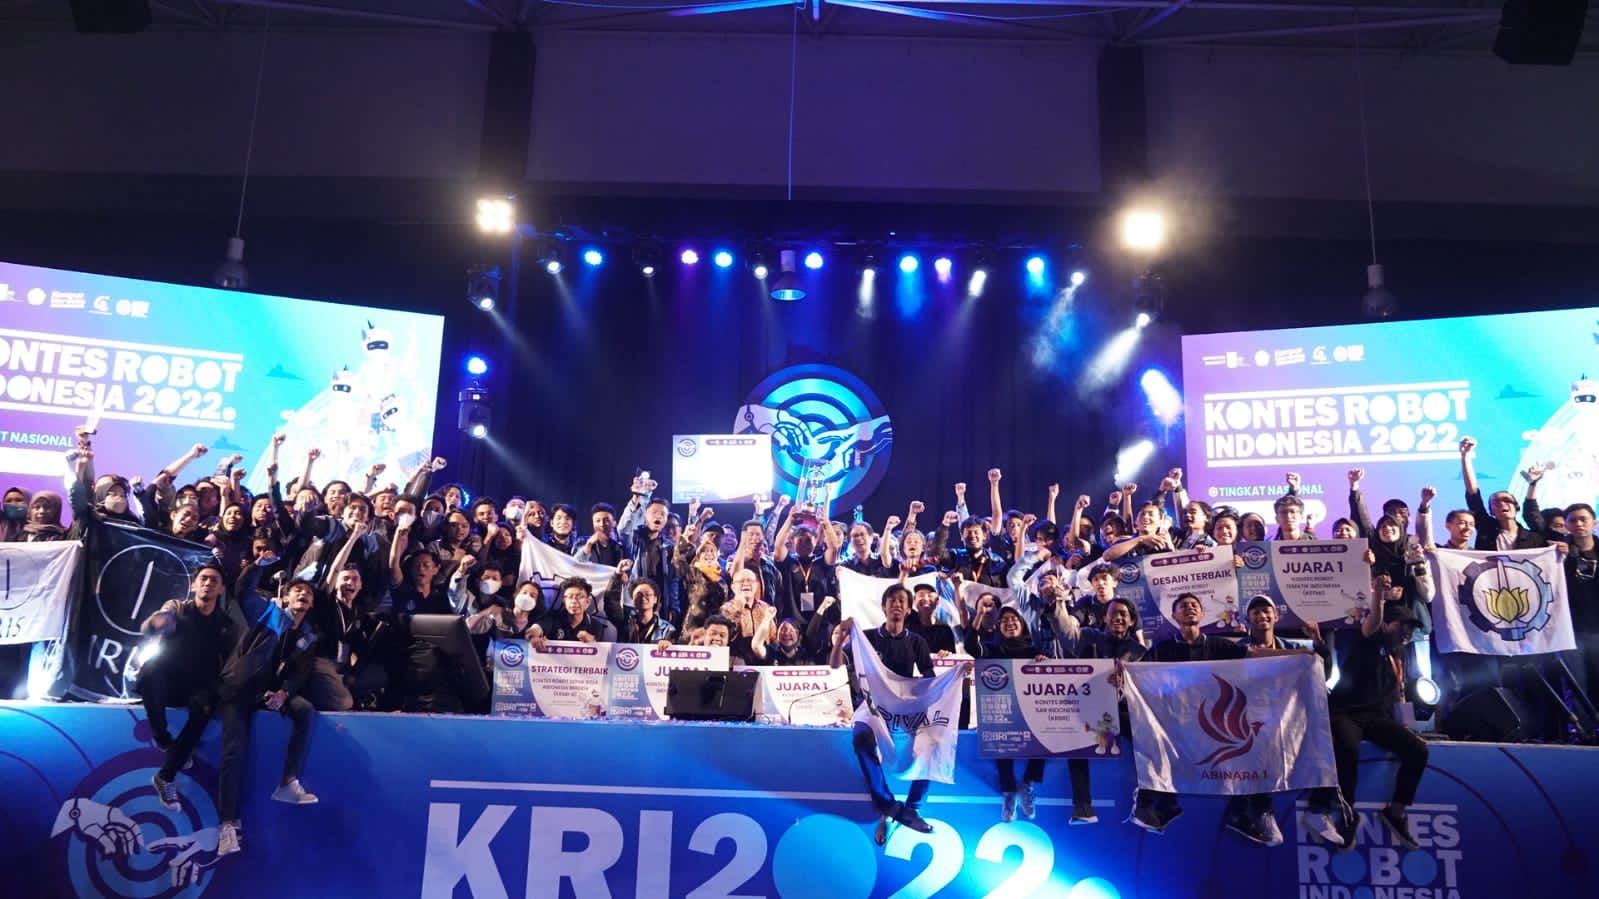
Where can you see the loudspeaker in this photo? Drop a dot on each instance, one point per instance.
(110, 16)
(1491, 716)
(711, 695)
(1540, 32)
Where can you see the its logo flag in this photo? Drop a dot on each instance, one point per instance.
(923, 710)
(1502, 603)
(1262, 725)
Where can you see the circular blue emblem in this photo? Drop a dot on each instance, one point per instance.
(994, 677)
(627, 658)
(512, 655)
(822, 420)
(1254, 556)
(1129, 572)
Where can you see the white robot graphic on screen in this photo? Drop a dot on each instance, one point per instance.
(360, 419)
(823, 454)
(1567, 446)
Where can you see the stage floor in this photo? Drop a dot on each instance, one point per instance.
(466, 805)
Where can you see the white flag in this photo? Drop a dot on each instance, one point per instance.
(860, 596)
(1502, 603)
(1234, 727)
(924, 709)
(36, 586)
(970, 591)
(544, 564)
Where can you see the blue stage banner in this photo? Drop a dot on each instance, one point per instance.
(443, 806)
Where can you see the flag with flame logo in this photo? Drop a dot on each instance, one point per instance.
(1261, 725)
(1502, 603)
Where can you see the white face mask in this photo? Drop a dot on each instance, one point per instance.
(488, 588)
(405, 519)
(525, 602)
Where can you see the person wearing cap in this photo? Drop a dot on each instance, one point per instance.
(924, 622)
(1370, 684)
(1251, 816)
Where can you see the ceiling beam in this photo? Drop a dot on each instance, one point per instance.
(1335, 28)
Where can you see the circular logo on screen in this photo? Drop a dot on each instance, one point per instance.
(994, 677)
(627, 658)
(687, 447)
(1130, 572)
(828, 430)
(511, 655)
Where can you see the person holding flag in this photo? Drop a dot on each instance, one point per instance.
(894, 672)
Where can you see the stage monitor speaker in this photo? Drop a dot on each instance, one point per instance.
(1540, 32)
(711, 695)
(1493, 715)
(110, 16)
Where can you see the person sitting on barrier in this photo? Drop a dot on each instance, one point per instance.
(1362, 709)
(1251, 816)
(573, 620)
(905, 654)
(267, 670)
(183, 669)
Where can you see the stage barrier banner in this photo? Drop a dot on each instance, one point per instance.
(814, 696)
(860, 596)
(638, 675)
(1326, 581)
(1235, 727)
(926, 710)
(40, 581)
(434, 806)
(571, 679)
(1061, 708)
(1502, 603)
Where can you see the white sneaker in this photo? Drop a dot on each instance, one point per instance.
(293, 794)
(1268, 826)
(1321, 825)
(1007, 811)
(1029, 799)
(227, 839)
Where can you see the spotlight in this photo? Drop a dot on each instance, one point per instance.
(477, 366)
(1131, 458)
(1035, 266)
(1078, 277)
(979, 280)
(1149, 298)
(1164, 400)
(982, 261)
(1143, 320)
(1378, 302)
(723, 259)
(552, 255)
(593, 258)
(908, 263)
(943, 266)
(869, 264)
(495, 215)
(1427, 692)
(646, 256)
(483, 287)
(813, 260)
(231, 273)
(758, 266)
(689, 257)
(474, 415)
(787, 287)
(1143, 230)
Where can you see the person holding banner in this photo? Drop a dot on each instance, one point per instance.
(1498, 530)
(904, 653)
(1361, 706)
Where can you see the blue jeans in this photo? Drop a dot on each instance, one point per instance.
(877, 783)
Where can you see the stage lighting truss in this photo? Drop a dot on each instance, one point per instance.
(475, 414)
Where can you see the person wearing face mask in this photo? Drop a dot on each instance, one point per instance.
(514, 623)
(16, 514)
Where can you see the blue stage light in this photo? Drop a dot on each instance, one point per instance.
(908, 263)
(1035, 266)
(593, 257)
(477, 365)
(813, 260)
(723, 259)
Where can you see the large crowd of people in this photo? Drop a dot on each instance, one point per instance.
(347, 565)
